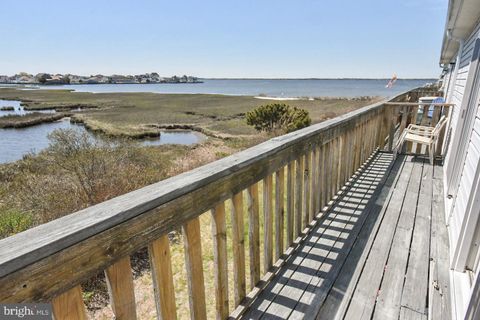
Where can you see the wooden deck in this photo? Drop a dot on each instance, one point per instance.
(380, 252)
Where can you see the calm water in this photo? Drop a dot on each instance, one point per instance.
(19, 110)
(269, 87)
(15, 143)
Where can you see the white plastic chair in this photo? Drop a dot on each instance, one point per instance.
(423, 135)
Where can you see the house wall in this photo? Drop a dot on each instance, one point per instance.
(459, 215)
(464, 185)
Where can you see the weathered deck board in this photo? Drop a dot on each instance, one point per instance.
(380, 252)
(286, 289)
(390, 292)
(317, 262)
(363, 299)
(344, 286)
(414, 291)
(439, 305)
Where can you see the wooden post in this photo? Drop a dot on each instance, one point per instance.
(193, 263)
(69, 305)
(238, 249)
(290, 202)
(162, 276)
(120, 288)
(253, 234)
(279, 211)
(268, 228)
(219, 233)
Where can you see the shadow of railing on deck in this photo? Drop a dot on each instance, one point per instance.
(310, 274)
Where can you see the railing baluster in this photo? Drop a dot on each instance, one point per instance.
(219, 233)
(328, 172)
(120, 288)
(298, 195)
(69, 305)
(425, 119)
(279, 211)
(436, 115)
(338, 159)
(306, 190)
(356, 148)
(268, 222)
(253, 234)
(314, 181)
(290, 203)
(317, 191)
(333, 168)
(194, 267)
(363, 143)
(391, 127)
(322, 178)
(238, 248)
(160, 262)
(343, 161)
(403, 123)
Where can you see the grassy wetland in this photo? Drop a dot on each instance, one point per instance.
(76, 171)
(142, 114)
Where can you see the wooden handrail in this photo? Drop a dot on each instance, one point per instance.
(51, 260)
(412, 104)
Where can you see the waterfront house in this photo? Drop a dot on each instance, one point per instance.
(346, 227)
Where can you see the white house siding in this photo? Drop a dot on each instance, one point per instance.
(456, 210)
(466, 181)
(459, 85)
(472, 159)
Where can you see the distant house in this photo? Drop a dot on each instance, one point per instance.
(25, 79)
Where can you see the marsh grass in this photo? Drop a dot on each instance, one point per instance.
(30, 119)
(130, 114)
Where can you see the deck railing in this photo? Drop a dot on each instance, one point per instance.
(299, 175)
(423, 114)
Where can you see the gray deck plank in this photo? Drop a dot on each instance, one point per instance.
(415, 291)
(363, 299)
(316, 293)
(263, 302)
(390, 293)
(408, 314)
(317, 251)
(339, 296)
(439, 298)
(380, 252)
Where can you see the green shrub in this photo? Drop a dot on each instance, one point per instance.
(12, 221)
(278, 117)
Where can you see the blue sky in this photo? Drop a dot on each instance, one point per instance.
(248, 38)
